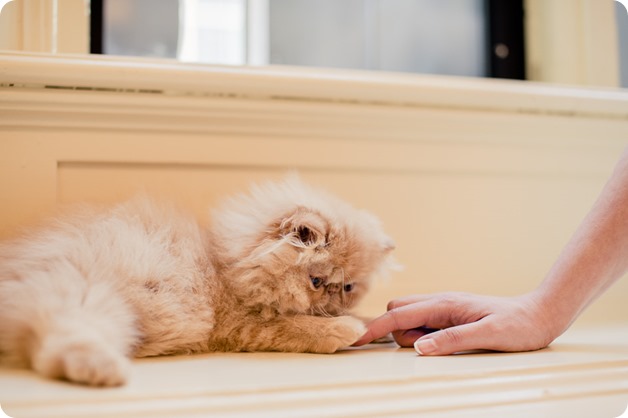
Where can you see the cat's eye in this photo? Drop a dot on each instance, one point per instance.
(316, 282)
(348, 287)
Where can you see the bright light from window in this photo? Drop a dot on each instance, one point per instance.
(212, 31)
(3, 3)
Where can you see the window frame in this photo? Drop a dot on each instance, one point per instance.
(96, 27)
(506, 39)
(569, 46)
(505, 27)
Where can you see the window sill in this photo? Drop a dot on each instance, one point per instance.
(296, 84)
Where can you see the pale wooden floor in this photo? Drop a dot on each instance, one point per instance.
(583, 374)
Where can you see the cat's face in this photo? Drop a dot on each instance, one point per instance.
(327, 266)
(311, 261)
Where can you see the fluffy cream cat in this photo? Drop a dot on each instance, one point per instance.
(277, 271)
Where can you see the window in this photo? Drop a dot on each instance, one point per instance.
(423, 36)
(458, 37)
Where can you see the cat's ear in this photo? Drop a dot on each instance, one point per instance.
(306, 227)
(387, 245)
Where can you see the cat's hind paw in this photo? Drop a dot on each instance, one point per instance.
(85, 363)
(96, 368)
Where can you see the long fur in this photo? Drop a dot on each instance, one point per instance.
(278, 270)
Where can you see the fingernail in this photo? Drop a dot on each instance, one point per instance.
(425, 347)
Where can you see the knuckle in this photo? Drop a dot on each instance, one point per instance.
(447, 299)
(494, 327)
(452, 300)
(393, 319)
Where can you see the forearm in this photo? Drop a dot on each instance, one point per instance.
(595, 257)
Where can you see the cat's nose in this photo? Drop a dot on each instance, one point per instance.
(333, 288)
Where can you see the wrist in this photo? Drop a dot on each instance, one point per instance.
(555, 311)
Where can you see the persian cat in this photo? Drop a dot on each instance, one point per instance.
(277, 270)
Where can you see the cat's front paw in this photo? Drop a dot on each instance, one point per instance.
(84, 363)
(341, 332)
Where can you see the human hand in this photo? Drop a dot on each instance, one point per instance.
(466, 322)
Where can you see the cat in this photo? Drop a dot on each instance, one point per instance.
(277, 270)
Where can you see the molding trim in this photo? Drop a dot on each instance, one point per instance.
(341, 119)
(111, 74)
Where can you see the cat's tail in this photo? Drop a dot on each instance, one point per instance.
(64, 325)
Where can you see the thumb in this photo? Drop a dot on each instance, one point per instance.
(451, 340)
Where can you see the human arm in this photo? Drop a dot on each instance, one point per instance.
(595, 257)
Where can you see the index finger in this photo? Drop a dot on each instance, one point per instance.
(407, 300)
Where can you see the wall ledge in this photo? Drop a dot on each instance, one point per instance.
(144, 76)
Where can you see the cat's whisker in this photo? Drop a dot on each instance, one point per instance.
(293, 239)
(320, 311)
(272, 248)
(300, 258)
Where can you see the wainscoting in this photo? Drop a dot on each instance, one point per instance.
(480, 183)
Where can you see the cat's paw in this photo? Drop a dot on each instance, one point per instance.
(93, 367)
(85, 363)
(341, 332)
